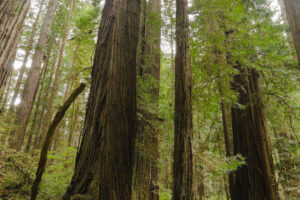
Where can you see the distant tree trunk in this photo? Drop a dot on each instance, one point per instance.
(49, 136)
(27, 53)
(146, 160)
(73, 118)
(12, 16)
(69, 78)
(34, 120)
(38, 139)
(224, 88)
(183, 154)
(111, 108)
(293, 17)
(55, 86)
(256, 179)
(31, 85)
(45, 93)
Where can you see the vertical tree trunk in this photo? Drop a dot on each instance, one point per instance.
(146, 171)
(27, 53)
(54, 90)
(12, 15)
(34, 120)
(31, 85)
(70, 77)
(109, 130)
(293, 17)
(256, 180)
(183, 155)
(45, 93)
(224, 86)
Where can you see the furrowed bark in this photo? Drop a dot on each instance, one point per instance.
(46, 145)
(256, 180)
(31, 85)
(147, 155)
(183, 154)
(111, 108)
(12, 16)
(292, 13)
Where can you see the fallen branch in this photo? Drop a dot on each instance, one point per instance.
(48, 140)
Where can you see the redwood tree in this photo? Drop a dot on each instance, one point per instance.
(183, 156)
(256, 179)
(12, 15)
(293, 17)
(31, 85)
(110, 122)
(146, 157)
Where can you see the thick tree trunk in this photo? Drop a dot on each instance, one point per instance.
(293, 17)
(183, 154)
(12, 15)
(48, 140)
(31, 85)
(109, 129)
(256, 179)
(147, 155)
(27, 53)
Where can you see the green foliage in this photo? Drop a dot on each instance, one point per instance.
(17, 172)
(58, 173)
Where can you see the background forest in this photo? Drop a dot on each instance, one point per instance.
(240, 81)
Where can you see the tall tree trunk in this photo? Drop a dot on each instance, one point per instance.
(224, 88)
(48, 140)
(293, 17)
(12, 16)
(55, 86)
(31, 85)
(27, 53)
(38, 139)
(109, 129)
(69, 78)
(183, 154)
(256, 179)
(34, 120)
(146, 171)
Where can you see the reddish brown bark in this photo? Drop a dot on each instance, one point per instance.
(109, 130)
(12, 15)
(147, 155)
(293, 17)
(183, 154)
(256, 179)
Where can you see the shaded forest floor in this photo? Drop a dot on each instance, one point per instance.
(17, 172)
